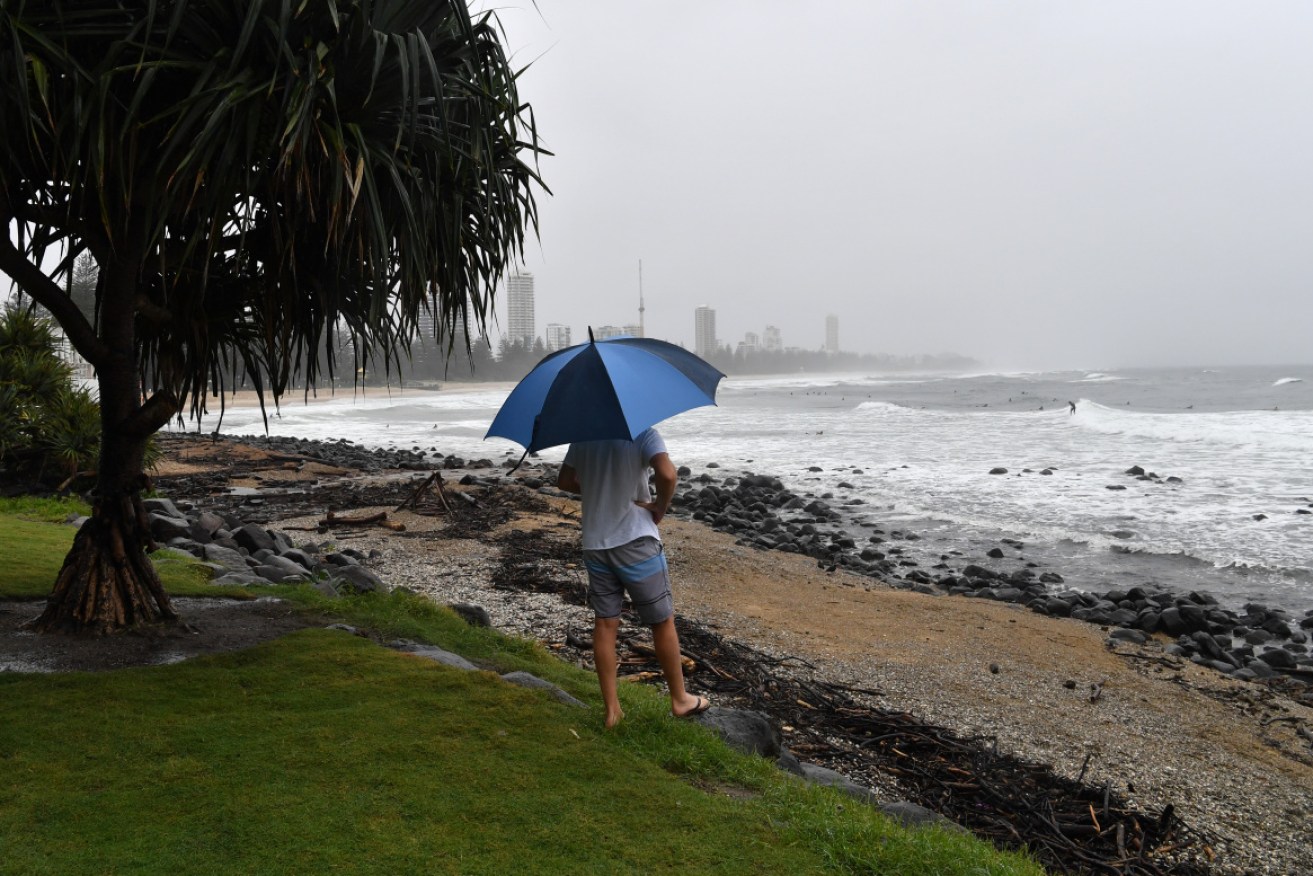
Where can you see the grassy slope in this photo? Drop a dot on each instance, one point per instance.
(323, 752)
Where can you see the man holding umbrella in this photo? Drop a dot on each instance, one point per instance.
(623, 553)
(602, 398)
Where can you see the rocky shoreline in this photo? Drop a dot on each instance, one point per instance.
(450, 573)
(1262, 644)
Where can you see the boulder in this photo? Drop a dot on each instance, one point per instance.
(789, 762)
(226, 557)
(474, 615)
(525, 679)
(166, 526)
(254, 537)
(748, 732)
(910, 815)
(430, 652)
(359, 579)
(162, 506)
(1278, 658)
(819, 775)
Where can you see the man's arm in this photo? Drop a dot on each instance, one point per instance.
(666, 480)
(568, 479)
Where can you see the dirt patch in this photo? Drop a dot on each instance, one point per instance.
(210, 626)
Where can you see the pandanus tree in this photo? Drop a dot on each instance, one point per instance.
(263, 184)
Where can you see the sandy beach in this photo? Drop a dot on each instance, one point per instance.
(248, 398)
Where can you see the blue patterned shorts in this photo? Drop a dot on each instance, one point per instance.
(638, 568)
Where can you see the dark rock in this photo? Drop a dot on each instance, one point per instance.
(1277, 627)
(1278, 658)
(910, 815)
(749, 732)
(162, 506)
(1115, 487)
(301, 558)
(474, 615)
(1207, 644)
(1057, 607)
(789, 762)
(996, 553)
(1149, 620)
(1134, 470)
(525, 679)
(998, 470)
(254, 537)
(360, 579)
(430, 652)
(819, 775)
(1128, 635)
(226, 557)
(164, 526)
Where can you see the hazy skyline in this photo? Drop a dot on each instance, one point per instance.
(1032, 184)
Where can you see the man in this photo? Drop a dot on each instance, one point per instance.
(623, 553)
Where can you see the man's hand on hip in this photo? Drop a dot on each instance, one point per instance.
(654, 508)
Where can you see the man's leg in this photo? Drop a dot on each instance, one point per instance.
(666, 641)
(604, 657)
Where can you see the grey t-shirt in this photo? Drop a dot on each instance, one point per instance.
(612, 476)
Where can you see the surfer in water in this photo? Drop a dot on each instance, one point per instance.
(1072, 405)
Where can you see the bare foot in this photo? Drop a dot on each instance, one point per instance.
(614, 718)
(690, 706)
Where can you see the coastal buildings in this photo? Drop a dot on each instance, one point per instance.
(520, 325)
(771, 341)
(558, 336)
(602, 332)
(832, 334)
(704, 331)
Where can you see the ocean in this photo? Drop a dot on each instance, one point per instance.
(1230, 449)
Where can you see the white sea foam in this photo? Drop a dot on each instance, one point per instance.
(933, 462)
(1284, 380)
(1266, 430)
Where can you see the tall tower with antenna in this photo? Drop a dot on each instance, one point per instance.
(642, 329)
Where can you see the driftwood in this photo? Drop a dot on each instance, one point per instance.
(379, 519)
(434, 479)
(649, 651)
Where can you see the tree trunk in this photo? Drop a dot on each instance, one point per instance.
(107, 583)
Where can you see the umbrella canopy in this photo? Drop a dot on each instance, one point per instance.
(614, 388)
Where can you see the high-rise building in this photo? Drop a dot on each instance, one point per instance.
(832, 334)
(771, 341)
(520, 325)
(558, 336)
(704, 331)
(606, 332)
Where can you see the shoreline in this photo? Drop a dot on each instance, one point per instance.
(1162, 730)
(248, 398)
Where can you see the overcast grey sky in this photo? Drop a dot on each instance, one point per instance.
(1035, 184)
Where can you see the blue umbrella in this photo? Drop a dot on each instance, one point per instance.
(614, 388)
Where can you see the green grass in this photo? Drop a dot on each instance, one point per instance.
(323, 752)
(34, 549)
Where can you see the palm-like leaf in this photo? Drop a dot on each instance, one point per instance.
(281, 173)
